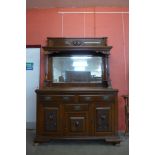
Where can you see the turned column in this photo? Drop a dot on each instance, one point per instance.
(106, 71)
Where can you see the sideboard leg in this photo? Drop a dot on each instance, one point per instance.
(113, 140)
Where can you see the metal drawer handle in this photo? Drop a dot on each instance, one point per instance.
(77, 107)
(65, 98)
(105, 97)
(48, 98)
(87, 98)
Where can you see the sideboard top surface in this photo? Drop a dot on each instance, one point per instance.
(76, 89)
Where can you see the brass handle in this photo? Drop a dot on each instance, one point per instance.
(105, 97)
(65, 98)
(77, 107)
(87, 98)
(48, 98)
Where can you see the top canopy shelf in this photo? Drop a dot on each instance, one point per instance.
(97, 45)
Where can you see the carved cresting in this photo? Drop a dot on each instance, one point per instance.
(85, 42)
(102, 119)
(76, 43)
(51, 119)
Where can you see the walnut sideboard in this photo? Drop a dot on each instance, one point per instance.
(83, 113)
(77, 100)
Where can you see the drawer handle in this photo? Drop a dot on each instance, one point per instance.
(65, 98)
(87, 98)
(105, 97)
(77, 107)
(77, 123)
(48, 98)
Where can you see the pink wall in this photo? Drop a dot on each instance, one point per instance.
(43, 23)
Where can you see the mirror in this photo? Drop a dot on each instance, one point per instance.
(75, 69)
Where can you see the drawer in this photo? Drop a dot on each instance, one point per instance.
(76, 107)
(49, 98)
(63, 98)
(94, 98)
(105, 98)
(86, 98)
(67, 98)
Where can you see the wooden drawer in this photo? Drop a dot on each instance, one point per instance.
(94, 98)
(63, 98)
(76, 107)
(86, 98)
(67, 98)
(76, 124)
(47, 98)
(105, 98)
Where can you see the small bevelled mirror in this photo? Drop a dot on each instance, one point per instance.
(75, 69)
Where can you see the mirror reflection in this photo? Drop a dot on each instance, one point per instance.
(74, 69)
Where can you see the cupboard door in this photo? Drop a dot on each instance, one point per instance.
(51, 124)
(51, 118)
(76, 124)
(104, 119)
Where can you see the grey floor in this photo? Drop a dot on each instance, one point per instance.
(71, 147)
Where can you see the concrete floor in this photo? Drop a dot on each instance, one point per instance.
(72, 147)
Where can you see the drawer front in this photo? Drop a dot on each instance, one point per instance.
(67, 98)
(94, 98)
(86, 98)
(105, 98)
(47, 98)
(76, 107)
(76, 124)
(63, 98)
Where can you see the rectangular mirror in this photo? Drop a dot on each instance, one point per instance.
(75, 69)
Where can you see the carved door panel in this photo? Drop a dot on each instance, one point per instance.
(51, 121)
(104, 120)
(76, 124)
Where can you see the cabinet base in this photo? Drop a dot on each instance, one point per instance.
(42, 139)
(113, 140)
(108, 140)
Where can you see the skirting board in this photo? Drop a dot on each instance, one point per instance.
(30, 125)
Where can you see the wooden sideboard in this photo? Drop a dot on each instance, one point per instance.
(76, 113)
(77, 104)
